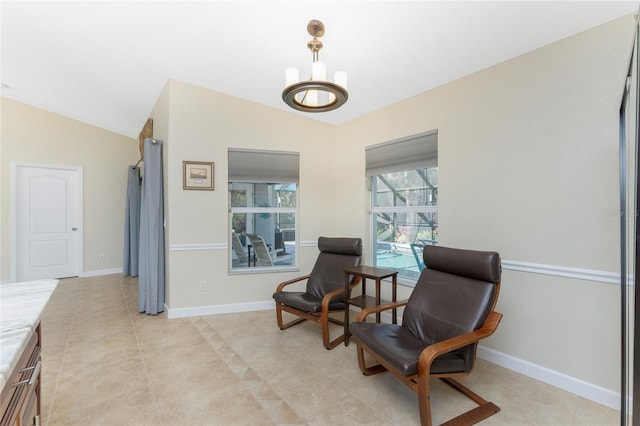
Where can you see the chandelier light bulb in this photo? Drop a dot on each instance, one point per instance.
(318, 71)
(340, 78)
(292, 76)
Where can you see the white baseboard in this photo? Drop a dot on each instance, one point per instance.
(595, 393)
(84, 274)
(100, 272)
(219, 309)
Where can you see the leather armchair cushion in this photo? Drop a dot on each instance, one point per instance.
(328, 275)
(335, 255)
(401, 349)
(433, 315)
(478, 265)
(340, 245)
(305, 302)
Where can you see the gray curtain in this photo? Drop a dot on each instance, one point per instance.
(151, 261)
(132, 223)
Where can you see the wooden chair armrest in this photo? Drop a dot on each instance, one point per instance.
(375, 309)
(432, 352)
(326, 300)
(292, 281)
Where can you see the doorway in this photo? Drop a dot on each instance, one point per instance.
(46, 221)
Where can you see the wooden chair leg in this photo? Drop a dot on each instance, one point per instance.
(367, 371)
(281, 324)
(330, 344)
(482, 411)
(424, 400)
(279, 316)
(326, 338)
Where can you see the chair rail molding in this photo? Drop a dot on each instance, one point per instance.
(198, 247)
(562, 271)
(512, 265)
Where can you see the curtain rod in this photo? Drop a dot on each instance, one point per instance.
(153, 142)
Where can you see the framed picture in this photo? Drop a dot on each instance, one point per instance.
(197, 175)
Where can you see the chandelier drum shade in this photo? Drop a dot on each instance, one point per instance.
(316, 94)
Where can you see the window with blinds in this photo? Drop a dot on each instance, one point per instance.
(404, 201)
(263, 194)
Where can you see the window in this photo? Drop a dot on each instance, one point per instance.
(404, 202)
(263, 199)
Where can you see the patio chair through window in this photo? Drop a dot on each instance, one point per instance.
(263, 254)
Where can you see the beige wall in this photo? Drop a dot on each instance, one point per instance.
(33, 135)
(202, 126)
(528, 166)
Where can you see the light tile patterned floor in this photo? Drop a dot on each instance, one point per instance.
(107, 364)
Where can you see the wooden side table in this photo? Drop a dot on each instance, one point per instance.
(364, 300)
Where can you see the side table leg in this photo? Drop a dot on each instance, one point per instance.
(394, 297)
(378, 298)
(346, 308)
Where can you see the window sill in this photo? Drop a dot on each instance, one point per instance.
(263, 270)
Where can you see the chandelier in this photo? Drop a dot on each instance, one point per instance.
(316, 94)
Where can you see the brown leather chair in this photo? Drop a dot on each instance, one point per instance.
(450, 309)
(325, 291)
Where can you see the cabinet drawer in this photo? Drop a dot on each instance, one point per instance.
(22, 383)
(31, 410)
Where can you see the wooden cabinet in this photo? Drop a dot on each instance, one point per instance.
(20, 398)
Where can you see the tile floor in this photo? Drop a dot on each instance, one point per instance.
(106, 364)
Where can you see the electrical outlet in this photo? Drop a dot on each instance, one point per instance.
(203, 285)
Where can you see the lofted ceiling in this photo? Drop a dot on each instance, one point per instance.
(105, 63)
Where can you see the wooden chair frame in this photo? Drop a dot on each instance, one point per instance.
(323, 317)
(420, 382)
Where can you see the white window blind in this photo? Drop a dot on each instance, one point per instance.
(413, 152)
(263, 166)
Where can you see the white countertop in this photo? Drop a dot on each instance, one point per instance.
(21, 305)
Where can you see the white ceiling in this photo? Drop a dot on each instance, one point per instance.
(105, 63)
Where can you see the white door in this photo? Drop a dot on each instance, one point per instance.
(48, 217)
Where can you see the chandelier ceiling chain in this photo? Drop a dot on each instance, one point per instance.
(316, 94)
